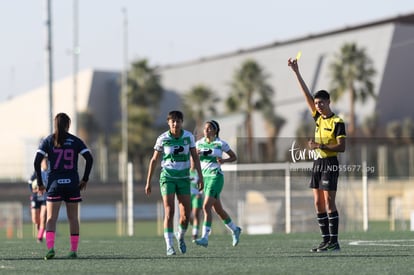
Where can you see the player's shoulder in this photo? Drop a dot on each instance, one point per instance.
(46, 142)
(76, 140)
(221, 141)
(201, 140)
(47, 139)
(164, 135)
(337, 119)
(187, 133)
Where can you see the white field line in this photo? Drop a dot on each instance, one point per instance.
(383, 243)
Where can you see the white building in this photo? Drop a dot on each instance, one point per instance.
(25, 119)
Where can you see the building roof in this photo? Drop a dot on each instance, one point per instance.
(405, 19)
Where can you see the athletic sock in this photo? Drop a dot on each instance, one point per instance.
(74, 242)
(168, 236)
(333, 226)
(40, 233)
(195, 231)
(323, 222)
(206, 230)
(229, 224)
(50, 239)
(181, 231)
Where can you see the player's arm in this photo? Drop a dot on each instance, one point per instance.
(31, 179)
(232, 157)
(293, 63)
(37, 167)
(340, 139)
(151, 168)
(338, 147)
(197, 167)
(88, 167)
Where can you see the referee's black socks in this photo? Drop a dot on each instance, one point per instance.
(333, 226)
(324, 226)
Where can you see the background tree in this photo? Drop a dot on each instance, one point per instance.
(352, 71)
(144, 92)
(273, 124)
(249, 92)
(88, 127)
(370, 125)
(144, 95)
(200, 102)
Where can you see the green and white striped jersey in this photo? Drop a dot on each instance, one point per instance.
(209, 152)
(175, 154)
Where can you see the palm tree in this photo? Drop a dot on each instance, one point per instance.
(352, 71)
(370, 125)
(144, 85)
(273, 124)
(250, 91)
(200, 102)
(144, 92)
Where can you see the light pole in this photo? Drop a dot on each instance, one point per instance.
(75, 55)
(49, 60)
(124, 118)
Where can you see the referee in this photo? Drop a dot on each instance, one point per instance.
(329, 141)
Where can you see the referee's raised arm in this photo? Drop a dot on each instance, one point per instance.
(293, 63)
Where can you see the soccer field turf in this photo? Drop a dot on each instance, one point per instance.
(361, 253)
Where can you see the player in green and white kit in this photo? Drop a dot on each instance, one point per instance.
(175, 146)
(210, 149)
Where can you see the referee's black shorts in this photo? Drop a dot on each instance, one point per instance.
(325, 174)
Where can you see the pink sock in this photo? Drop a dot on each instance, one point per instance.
(74, 241)
(50, 239)
(40, 233)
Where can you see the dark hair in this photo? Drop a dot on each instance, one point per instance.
(321, 94)
(177, 115)
(215, 125)
(62, 123)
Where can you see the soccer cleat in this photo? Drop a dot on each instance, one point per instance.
(50, 254)
(236, 236)
(181, 244)
(201, 242)
(72, 255)
(321, 245)
(170, 251)
(334, 247)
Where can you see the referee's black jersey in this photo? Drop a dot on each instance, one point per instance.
(327, 131)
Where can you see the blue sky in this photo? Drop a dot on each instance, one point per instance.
(163, 31)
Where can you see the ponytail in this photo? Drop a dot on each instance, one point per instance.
(62, 123)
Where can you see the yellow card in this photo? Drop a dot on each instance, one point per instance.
(298, 55)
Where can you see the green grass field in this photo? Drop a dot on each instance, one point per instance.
(362, 253)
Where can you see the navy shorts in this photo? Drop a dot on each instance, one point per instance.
(63, 189)
(325, 174)
(37, 201)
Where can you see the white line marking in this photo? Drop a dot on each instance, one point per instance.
(383, 243)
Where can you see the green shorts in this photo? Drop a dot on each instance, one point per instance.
(175, 186)
(197, 201)
(213, 185)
